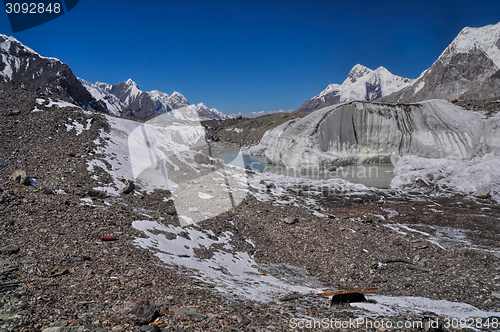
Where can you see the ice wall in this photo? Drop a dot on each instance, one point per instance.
(361, 132)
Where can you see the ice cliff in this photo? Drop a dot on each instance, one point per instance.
(360, 132)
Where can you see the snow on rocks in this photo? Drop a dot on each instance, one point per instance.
(234, 273)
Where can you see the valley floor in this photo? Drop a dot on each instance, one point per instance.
(431, 256)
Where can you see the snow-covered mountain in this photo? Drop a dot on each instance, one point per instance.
(127, 99)
(468, 68)
(362, 84)
(49, 76)
(23, 66)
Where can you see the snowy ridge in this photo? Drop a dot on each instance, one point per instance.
(100, 92)
(132, 91)
(10, 47)
(362, 83)
(487, 39)
(8, 40)
(128, 95)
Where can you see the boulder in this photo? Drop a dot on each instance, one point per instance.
(291, 220)
(21, 177)
(129, 188)
(483, 192)
(201, 158)
(136, 312)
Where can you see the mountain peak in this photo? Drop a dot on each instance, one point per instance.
(362, 83)
(131, 82)
(357, 72)
(486, 39)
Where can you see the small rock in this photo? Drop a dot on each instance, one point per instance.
(270, 185)
(21, 177)
(496, 295)
(47, 191)
(137, 312)
(58, 271)
(129, 188)
(108, 238)
(291, 220)
(242, 321)
(9, 250)
(419, 245)
(163, 311)
(96, 193)
(248, 168)
(117, 328)
(201, 158)
(171, 211)
(67, 225)
(149, 328)
(193, 209)
(65, 329)
(483, 192)
(187, 311)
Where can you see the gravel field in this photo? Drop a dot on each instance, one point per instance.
(70, 258)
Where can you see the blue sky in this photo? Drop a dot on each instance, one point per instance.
(250, 56)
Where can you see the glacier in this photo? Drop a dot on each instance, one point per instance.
(361, 132)
(434, 141)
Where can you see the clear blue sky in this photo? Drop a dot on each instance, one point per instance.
(250, 56)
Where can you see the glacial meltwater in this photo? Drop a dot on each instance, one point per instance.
(370, 175)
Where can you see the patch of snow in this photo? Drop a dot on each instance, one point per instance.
(419, 87)
(78, 127)
(40, 101)
(204, 196)
(233, 273)
(60, 103)
(36, 110)
(402, 306)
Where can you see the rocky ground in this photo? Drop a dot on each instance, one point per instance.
(245, 131)
(491, 106)
(68, 264)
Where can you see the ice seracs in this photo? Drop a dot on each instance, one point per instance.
(361, 132)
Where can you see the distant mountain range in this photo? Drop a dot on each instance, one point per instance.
(126, 99)
(49, 76)
(469, 68)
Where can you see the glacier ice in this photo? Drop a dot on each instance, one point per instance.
(360, 132)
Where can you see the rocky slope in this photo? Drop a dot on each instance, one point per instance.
(469, 68)
(362, 83)
(22, 66)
